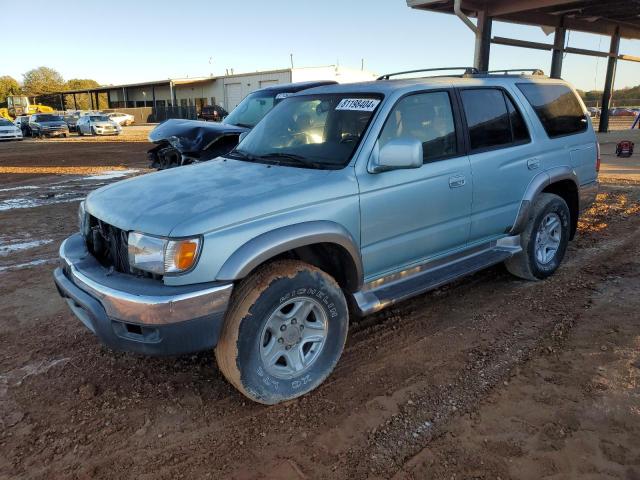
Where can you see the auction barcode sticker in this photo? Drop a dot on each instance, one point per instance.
(358, 104)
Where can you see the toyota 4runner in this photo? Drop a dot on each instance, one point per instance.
(344, 199)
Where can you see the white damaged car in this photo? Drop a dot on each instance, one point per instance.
(9, 131)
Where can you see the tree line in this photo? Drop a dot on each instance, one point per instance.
(42, 82)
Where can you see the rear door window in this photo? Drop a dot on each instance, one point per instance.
(493, 120)
(487, 118)
(557, 108)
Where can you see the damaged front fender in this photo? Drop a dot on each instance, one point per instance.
(180, 142)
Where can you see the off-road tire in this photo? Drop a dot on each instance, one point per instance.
(525, 264)
(80, 134)
(253, 302)
(93, 131)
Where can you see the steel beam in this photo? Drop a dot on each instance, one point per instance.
(558, 48)
(483, 41)
(609, 81)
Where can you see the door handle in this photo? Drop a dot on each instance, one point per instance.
(533, 163)
(457, 181)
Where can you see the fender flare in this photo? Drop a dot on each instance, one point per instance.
(270, 244)
(535, 187)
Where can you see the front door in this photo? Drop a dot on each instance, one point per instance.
(409, 216)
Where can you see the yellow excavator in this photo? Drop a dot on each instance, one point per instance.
(20, 105)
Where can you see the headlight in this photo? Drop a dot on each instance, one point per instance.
(162, 255)
(83, 221)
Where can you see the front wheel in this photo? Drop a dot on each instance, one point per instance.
(284, 332)
(93, 131)
(544, 240)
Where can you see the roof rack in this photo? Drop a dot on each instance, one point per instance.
(467, 71)
(534, 71)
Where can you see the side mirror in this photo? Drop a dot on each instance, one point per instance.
(396, 154)
(242, 136)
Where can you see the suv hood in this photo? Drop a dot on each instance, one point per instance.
(203, 197)
(191, 135)
(103, 124)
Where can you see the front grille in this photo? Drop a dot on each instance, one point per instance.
(109, 245)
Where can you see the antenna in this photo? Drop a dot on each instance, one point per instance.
(291, 58)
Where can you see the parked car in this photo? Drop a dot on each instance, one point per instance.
(181, 142)
(122, 119)
(22, 122)
(48, 124)
(594, 111)
(9, 131)
(362, 194)
(72, 121)
(212, 113)
(97, 125)
(621, 112)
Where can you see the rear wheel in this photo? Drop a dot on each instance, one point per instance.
(93, 131)
(79, 130)
(284, 332)
(544, 240)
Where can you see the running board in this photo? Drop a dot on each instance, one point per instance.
(395, 288)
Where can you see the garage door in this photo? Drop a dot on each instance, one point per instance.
(267, 83)
(233, 95)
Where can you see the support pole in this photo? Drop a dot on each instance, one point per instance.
(483, 41)
(75, 102)
(556, 57)
(609, 81)
(90, 98)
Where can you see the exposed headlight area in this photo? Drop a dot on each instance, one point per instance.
(83, 220)
(162, 256)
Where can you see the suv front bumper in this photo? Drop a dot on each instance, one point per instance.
(139, 314)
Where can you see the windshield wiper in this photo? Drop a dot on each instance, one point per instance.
(292, 156)
(240, 155)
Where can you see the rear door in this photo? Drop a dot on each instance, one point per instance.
(502, 156)
(409, 216)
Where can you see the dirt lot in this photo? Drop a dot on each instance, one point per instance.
(488, 378)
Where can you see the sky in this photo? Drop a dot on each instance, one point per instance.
(142, 40)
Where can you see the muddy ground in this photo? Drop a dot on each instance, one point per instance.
(491, 377)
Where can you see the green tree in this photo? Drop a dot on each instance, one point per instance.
(8, 86)
(82, 99)
(41, 81)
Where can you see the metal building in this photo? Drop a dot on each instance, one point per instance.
(227, 90)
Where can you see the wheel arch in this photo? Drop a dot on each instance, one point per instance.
(324, 244)
(561, 181)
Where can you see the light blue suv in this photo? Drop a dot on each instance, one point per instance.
(344, 199)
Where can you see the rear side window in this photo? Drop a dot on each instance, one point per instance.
(557, 108)
(492, 119)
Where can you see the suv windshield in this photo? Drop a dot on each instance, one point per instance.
(48, 118)
(99, 118)
(251, 110)
(5, 123)
(317, 131)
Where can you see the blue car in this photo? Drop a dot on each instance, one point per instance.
(362, 194)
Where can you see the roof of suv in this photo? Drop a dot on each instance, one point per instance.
(408, 84)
